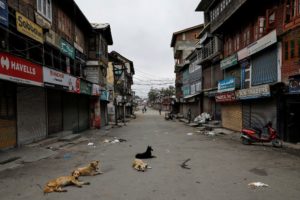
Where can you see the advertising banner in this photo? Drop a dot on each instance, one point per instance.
(29, 28)
(254, 92)
(57, 79)
(226, 85)
(3, 13)
(225, 97)
(229, 61)
(96, 90)
(19, 70)
(67, 49)
(74, 84)
(85, 87)
(294, 85)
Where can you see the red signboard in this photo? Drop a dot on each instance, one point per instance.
(225, 97)
(19, 70)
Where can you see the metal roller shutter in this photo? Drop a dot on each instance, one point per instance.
(70, 112)
(84, 104)
(31, 104)
(264, 67)
(54, 104)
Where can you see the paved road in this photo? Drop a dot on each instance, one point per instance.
(221, 168)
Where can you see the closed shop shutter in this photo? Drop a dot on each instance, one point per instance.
(246, 108)
(206, 105)
(232, 116)
(31, 112)
(259, 113)
(264, 67)
(54, 108)
(8, 133)
(84, 104)
(104, 111)
(70, 112)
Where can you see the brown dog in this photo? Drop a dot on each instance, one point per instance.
(140, 165)
(57, 184)
(90, 170)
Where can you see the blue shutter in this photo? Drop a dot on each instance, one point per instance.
(264, 67)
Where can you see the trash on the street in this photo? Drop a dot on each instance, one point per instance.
(189, 134)
(211, 133)
(257, 184)
(204, 117)
(184, 165)
(90, 144)
(67, 156)
(115, 140)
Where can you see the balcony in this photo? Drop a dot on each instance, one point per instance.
(209, 50)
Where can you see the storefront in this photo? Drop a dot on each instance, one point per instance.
(104, 100)
(258, 106)
(8, 121)
(27, 100)
(231, 110)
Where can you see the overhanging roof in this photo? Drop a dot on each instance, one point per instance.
(203, 5)
(173, 40)
(103, 28)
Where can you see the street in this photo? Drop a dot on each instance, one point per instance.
(220, 166)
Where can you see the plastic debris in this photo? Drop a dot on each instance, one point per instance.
(211, 133)
(115, 140)
(90, 144)
(258, 184)
(204, 117)
(190, 134)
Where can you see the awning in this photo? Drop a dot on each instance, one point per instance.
(192, 95)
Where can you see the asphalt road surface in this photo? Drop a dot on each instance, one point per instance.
(220, 167)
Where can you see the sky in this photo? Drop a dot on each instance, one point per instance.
(142, 32)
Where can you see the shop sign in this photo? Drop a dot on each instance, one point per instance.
(85, 87)
(52, 38)
(254, 92)
(244, 53)
(20, 70)
(226, 85)
(95, 90)
(27, 27)
(294, 85)
(104, 95)
(67, 49)
(229, 61)
(92, 74)
(73, 84)
(263, 43)
(225, 97)
(42, 21)
(53, 78)
(3, 13)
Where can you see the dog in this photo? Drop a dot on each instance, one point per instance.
(146, 154)
(57, 184)
(140, 165)
(90, 170)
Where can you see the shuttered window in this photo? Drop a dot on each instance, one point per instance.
(264, 67)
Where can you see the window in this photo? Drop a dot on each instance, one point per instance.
(292, 43)
(44, 7)
(286, 50)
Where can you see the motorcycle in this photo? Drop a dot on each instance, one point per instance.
(249, 136)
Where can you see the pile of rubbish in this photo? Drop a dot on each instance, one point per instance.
(203, 118)
(114, 140)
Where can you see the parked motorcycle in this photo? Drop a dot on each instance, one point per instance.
(249, 136)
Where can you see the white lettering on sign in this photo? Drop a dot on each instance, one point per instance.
(13, 65)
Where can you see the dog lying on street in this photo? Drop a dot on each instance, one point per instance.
(57, 184)
(140, 165)
(146, 154)
(90, 170)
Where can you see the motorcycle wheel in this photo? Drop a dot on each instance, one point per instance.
(245, 141)
(277, 143)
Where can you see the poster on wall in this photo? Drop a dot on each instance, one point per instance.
(19, 70)
(74, 84)
(96, 90)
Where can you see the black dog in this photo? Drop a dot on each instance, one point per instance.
(146, 154)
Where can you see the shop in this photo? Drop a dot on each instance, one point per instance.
(231, 110)
(28, 100)
(258, 106)
(104, 100)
